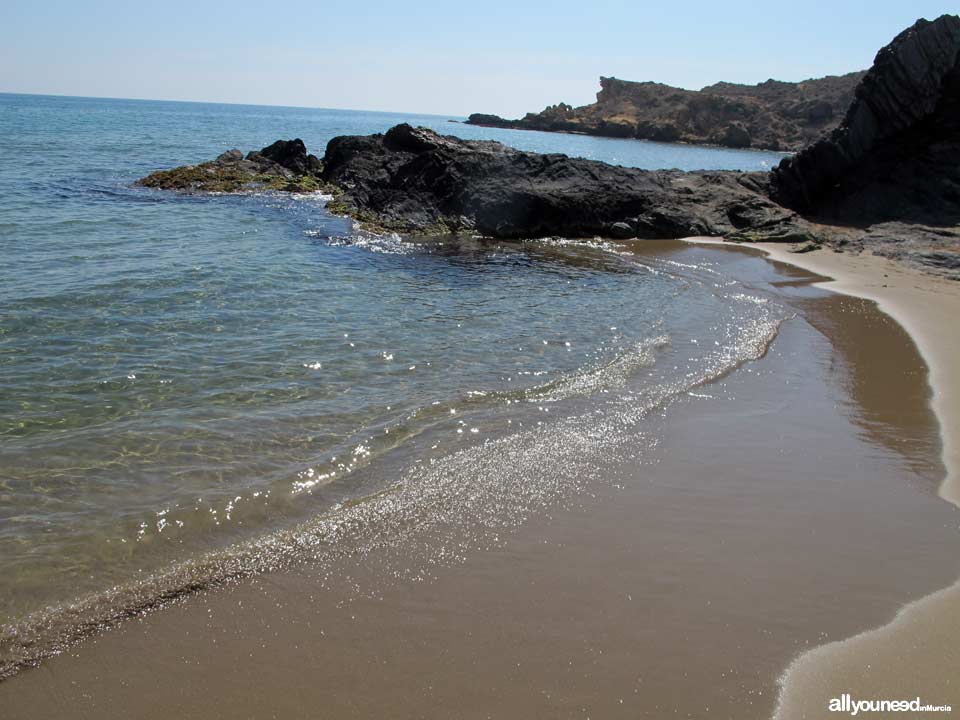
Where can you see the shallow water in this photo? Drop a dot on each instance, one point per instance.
(695, 550)
(210, 384)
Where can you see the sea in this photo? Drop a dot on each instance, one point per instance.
(196, 388)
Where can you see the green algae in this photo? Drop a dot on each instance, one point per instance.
(208, 177)
(216, 177)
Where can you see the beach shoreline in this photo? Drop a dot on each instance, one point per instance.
(558, 617)
(923, 304)
(884, 663)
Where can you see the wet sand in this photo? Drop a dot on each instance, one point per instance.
(794, 506)
(916, 653)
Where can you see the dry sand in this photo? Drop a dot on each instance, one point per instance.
(917, 654)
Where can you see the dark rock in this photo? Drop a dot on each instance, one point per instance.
(230, 156)
(284, 165)
(417, 181)
(934, 249)
(616, 129)
(487, 120)
(621, 231)
(661, 132)
(896, 155)
(404, 138)
(887, 179)
(806, 247)
(734, 135)
(289, 154)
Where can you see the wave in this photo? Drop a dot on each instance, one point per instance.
(389, 243)
(479, 491)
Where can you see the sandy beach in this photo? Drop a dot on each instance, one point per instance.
(783, 509)
(337, 380)
(916, 654)
(926, 306)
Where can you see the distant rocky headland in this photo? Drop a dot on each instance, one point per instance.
(773, 115)
(887, 177)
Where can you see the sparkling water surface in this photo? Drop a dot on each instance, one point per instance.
(180, 373)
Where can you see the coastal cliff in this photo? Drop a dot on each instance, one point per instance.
(772, 115)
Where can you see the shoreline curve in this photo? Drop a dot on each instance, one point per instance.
(921, 643)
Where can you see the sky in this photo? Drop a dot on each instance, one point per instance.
(429, 56)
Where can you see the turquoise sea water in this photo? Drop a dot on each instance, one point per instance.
(193, 387)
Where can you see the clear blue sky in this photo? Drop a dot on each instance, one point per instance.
(438, 56)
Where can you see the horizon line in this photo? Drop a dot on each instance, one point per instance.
(236, 104)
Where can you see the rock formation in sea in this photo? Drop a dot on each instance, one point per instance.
(414, 180)
(887, 178)
(283, 165)
(773, 115)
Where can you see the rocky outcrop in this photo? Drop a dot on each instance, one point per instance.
(284, 165)
(289, 154)
(896, 155)
(414, 180)
(772, 115)
(887, 179)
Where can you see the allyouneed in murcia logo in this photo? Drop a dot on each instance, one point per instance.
(846, 704)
